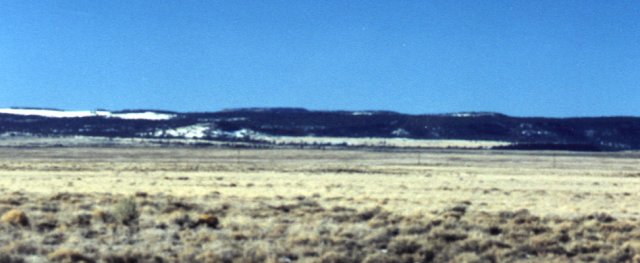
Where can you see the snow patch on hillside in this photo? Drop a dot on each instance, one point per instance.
(48, 113)
(147, 115)
(189, 132)
(400, 132)
(360, 113)
(245, 134)
(471, 114)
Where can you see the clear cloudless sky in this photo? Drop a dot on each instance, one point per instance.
(519, 57)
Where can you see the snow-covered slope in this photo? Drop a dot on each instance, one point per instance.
(146, 115)
(48, 113)
(190, 132)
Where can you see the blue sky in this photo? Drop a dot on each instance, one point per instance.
(524, 58)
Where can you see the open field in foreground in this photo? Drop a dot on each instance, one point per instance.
(216, 205)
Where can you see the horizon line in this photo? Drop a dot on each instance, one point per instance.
(292, 108)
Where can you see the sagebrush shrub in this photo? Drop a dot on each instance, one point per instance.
(126, 212)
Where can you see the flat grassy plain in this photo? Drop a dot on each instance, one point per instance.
(134, 204)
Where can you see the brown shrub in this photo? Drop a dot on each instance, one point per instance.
(82, 220)
(380, 258)
(336, 257)
(404, 245)
(181, 219)
(5, 258)
(207, 220)
(467, 257)
(131, 257)
(46, 225)
(450, 236)
(369, 213)
(103, 216)
(15, 217)
(53, 239)
(67, 255)
(255, 252)
(20, 248)
(220, 253)
(380, 237)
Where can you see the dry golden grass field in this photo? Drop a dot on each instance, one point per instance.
(225, 205)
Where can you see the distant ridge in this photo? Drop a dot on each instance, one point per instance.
(473, 114)
(261, 109)
(254, 124)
